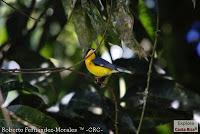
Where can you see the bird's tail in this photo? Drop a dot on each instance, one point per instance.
(120, 69)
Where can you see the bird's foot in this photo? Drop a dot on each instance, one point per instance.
(100, 81)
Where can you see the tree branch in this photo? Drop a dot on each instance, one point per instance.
(116, 112)
(149, 70)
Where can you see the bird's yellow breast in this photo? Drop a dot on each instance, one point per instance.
(95, 69)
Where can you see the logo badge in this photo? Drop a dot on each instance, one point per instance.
(185, 126)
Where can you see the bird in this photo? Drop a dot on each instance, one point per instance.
(100, 67)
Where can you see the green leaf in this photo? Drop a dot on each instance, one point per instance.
(164, 129)
(47, 50)
(3, 34)
(33, 116)
(146, 18)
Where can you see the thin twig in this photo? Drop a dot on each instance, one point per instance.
(116, 111)
(20, 11)
(33, 70)
(43, 70)
(112, 90)
(116, 119)
(149, 70)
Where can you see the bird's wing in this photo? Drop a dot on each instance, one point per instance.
(103, 63)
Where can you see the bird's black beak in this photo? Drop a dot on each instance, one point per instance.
(84, 54)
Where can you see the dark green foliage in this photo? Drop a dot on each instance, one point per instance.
(60, 36)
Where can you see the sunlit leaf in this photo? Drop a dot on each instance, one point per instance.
(47, 51)
(164, 129)
(146, 18)
(3, 34)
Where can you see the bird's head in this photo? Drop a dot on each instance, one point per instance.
(90, 54)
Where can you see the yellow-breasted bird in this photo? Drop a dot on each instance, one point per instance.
(100, 67)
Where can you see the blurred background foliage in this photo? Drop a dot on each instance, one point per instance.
(65, 29)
